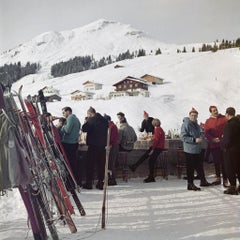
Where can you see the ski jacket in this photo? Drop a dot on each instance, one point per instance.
(96, 128)
(113, 133)
(189, 132)
(14, 168)
(214, 128)
(70, 131)
(147, 125)
(231, 135)
(127, 136)
(158, 138)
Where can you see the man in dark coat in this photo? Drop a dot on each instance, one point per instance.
(96, 127)
(231, 149)
(147, 124)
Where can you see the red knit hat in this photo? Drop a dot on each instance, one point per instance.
(193, 110)
(145, 114)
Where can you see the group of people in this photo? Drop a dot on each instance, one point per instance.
(222, 134)
(97, 127)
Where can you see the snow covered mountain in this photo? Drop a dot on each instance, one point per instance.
(100, 39)
(192, 79)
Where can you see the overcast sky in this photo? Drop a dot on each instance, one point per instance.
(170, 21)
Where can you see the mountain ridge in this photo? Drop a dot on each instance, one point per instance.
(100, 39)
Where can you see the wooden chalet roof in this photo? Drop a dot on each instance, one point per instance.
(76, 91)
(46, 87)
(151, 76)
(82, 92)
(132, 79)
(88, 82)
(91, 82)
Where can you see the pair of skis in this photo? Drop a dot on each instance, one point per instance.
(33, 209)
(53, 139)
(46, 135)
(45, 161)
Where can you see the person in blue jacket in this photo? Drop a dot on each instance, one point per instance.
(192, 138)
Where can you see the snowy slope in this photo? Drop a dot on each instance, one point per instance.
(190, 79)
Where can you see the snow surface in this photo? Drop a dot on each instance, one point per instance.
(161, 210)
(136, 210)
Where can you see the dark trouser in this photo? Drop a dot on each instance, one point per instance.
(217, 155)
(112, 159)
(143, 157)
(192, 163)
(152, 160)
(232, 165)
(200, 170)
(96, 156)
(71, 152)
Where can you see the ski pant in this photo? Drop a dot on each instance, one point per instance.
(113, 154)
(218, 161)
(193, 162)
(96, 156)
(232, 164)
(143, 157)
(200, 169)
(152, 160)
(71, 152)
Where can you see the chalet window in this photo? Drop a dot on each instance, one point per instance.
(124, 86)
(130, 85)
(136, 84)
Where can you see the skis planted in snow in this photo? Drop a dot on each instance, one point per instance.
(105, 180)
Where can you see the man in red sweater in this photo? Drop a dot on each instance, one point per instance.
(214, 127)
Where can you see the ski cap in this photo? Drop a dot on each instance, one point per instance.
(193, 110)
(145, 114)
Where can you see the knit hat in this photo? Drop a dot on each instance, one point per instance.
(193, 110)
(210, 108)
(145, 114)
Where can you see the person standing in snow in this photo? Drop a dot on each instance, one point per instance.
(96, 127)
(113, 154)
(192, 138)
(69, 137)
(231, 148)
(156, 148)
(214, 127)
(147, 124)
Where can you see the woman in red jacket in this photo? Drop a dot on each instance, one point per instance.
(157, 148)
